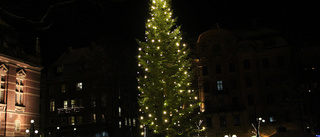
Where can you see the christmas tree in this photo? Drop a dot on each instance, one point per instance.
(168, 105)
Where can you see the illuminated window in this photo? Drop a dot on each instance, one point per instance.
(79, 86)
(72, 120)
(65, 104)
(2, 88)
(129, 121)
(19, 91)
(125, 121)
(52, 106)
(73, 103)
(103, 118)
(119, 111)
(94, 118)
(219, 85)
(134, 122)
(119, 124)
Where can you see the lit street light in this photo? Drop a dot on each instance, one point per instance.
(256, 126)
(30, 132)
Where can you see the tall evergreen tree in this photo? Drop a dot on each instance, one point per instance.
(168, 104)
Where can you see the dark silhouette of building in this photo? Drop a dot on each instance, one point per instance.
(249, 74)
(88, 92)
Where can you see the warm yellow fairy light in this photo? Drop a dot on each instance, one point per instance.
(152, 40)
(141, 117)
(141, 126)
(166, 120)
(147, 108)
(150, 115)
(164, 112)
(139, 56)
(181, 91)
(146, 69)
(139, 49)
(158, 47)
(195, 98)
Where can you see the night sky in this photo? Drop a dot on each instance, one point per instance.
(78, 22)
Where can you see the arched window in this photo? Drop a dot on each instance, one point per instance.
(17, 126)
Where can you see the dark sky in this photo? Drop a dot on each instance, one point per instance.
(77, 22)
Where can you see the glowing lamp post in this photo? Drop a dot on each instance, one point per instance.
(31, 131)
(256, 126)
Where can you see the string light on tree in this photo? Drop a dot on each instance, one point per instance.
(164, 76)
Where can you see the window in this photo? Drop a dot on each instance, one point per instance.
(19, 91)
(125, 121)
(2, 88)
(63, 88)
(72, 120)
(119, 111)
(223, 121)
(265, 63)
(65, 104)
(119, 124)
(218, 69)
(272, 119)
(52, 106)
(93, 118)
(232, 67)
(221, 103)
(246, 64)
(236, 120)
(103, 119)
(129, 121)
(73, 103)
(79, 86)
(204, 70)
(219, 85)
(134, 122)
(17, 126)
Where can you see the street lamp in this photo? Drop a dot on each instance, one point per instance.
(31, 131)
(256, 126)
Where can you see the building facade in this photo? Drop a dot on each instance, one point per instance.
(20, 86)
(85, 95)
(246, 75)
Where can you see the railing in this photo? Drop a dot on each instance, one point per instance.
(69, 110)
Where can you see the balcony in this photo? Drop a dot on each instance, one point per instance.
(70, 110)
